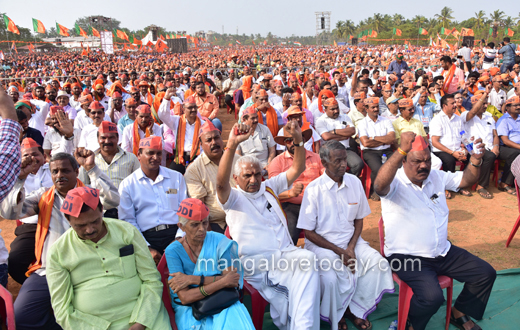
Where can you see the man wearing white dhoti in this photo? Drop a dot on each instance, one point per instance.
(281, 272)
(353, 276)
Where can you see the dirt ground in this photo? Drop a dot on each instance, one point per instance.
(478, 225)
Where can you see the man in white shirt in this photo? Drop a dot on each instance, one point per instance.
(339, 127)
(229, 87)
(76, 95)
(277, 96)
(257, 223)
(61, 137)
(150, 197)
(376, 135)
(186, 129)
(142, 127)
(312, 144)
(89, 135)
(415, 215)
(63, 101)
(116, 109)
(260, 143)
(497, 96)
(465, 53)
(332, 212)
(479, 123)
(100, 96)
(445, 129)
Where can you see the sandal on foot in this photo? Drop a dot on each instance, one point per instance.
(484, 193)
(342, 325)
(508, 190)
(465, 192)
(448, 195)
(352, 318)
(459, 323)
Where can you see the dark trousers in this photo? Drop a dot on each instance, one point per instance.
(448, 161)
(179, 167)
(354, 162)
(112, 213)
(292, 211)
(373, 158)
(216, 228)
(32, 307)
(478, 277)
(22, 252)
(485, 170)
(508, 154)
(229, 101)
(159, 240)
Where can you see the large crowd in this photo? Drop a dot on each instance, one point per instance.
(114, 164)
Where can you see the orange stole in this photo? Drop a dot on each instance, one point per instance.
(272, 120)
(137, 138)
(45, 204)
(179, 143)
(269, 190)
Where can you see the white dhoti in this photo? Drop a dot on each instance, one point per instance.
(436, 162)
(292, 292)
(340, 288)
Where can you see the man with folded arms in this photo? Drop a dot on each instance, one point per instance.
(257, 223)
(331, 214)
(338, 127)
(151, 195)
(142, 127)
(110, 281)
(415, 214)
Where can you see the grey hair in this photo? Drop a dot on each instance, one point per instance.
(244, 160)
(183, 221)
(64, 155)
(327, 147)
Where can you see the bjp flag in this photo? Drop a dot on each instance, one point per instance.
(62, 30)
(38, 26)
(397, 32)
(94, 32)
(10, 26)
(423, 32)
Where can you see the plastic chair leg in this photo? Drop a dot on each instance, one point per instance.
(259, 305)
(513, 232)
(449, 294)
(405, 295)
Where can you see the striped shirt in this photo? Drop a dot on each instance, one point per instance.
(10, 155)
(123, 164)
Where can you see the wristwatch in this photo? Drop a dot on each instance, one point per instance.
(69, 138)
(299, 144)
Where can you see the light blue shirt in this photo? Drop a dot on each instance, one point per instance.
(123, 122)
(147, 204)
(424, 114)
(509, 127)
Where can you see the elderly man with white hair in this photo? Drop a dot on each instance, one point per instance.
(281, 272)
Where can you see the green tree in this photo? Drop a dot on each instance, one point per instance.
(445, 16)
(497, 16)
(480, 19)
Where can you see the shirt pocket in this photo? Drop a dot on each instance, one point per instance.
(172, 201)
(351, 211)
(260, 144)
(128, 266)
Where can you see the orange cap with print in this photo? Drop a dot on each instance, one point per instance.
(28, 143)
(152, 142)
(107, 127)
(208, 127)
(144, 108)
(403, 103)
(419, 144)
(77, 197)
(372, 101)
(193, 209)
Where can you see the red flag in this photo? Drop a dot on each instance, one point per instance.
(122, 35)
(265, 42)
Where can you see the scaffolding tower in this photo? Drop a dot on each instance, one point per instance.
(322, 27)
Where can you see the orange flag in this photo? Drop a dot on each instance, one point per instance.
(10, 26)
(84, 51)
(137, 41)
(95, 32)
(62, 30)
(122, 35)
(31, 48)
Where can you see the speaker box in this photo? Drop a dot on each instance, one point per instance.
(178, 45)
(323, 23)
(468, 40)
(354, 41)
(154, 35)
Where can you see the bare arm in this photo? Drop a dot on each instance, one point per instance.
(226, 162)
(369, 143)
(476, 107)
(272, 154)
(298, 165)
(437, 144)
(387, 172)
(354, 80)
(339, 134)
(471, 172)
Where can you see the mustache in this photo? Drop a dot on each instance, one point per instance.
(217, 147)
(107, 144)
(61, 180)
(426, 171)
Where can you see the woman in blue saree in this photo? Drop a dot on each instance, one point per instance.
(206, 258)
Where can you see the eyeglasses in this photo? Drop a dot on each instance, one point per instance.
(192, 107)
(288, 140)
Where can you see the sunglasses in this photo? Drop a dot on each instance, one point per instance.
(288, 140)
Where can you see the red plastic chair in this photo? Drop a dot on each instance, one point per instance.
(162, 267)
(258, 303)
(406, 293)
(6, 308)
(366, 172)
(517, 223)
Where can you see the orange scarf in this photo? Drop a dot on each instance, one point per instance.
(327, 93)
(149, 99)
(46, 205)
(137, 138)
(448, 78)
(179, 143)
(304, 100)
(246, 87)
(188, 93)
(271, 118)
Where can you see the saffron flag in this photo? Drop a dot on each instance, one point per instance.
(136, 41)
(297, 44)
(38, 26)
(238, 42)
(397, 32)
(509, 32)
(30, 47)
(265, 42)
(10, 26)
(13, 47)
(373, 34)
(467, 32)
(84, 51)
(167, 36)
(62, 30)
(335, 44)
(80, 31)
(94, 32)
(254, 43)
(455, 32)
(445, 31)
(122, 35)
(215, 38)
(423, 31)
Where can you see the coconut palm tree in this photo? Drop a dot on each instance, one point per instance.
(497, 16)
(445, 16)
(480, 19)
(399, 19)
(378, 22)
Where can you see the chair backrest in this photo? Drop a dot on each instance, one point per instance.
(226, 232)
(381, 237)
(162, 267)
(517, 195)
(7, 308)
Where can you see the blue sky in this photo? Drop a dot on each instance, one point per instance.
(282, 18)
